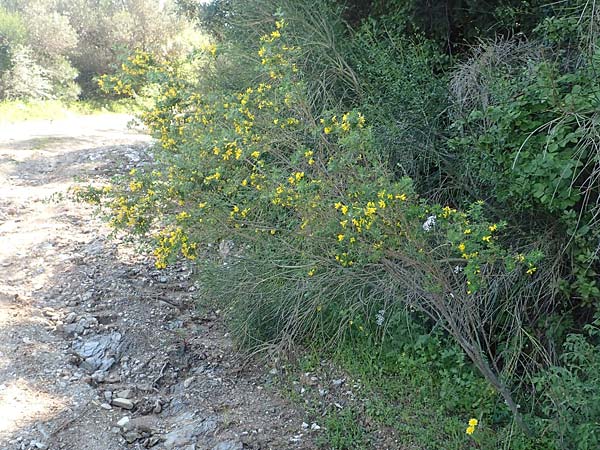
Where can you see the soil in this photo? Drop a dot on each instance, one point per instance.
(99, 349)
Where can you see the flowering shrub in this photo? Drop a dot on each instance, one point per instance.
(258, 166)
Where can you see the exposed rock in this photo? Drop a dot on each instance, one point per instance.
(187, 434)
(122, 403)
(125, 393)
(124, 423)
(149, 424)
(132, 436)
(229, 445)
(99, 352)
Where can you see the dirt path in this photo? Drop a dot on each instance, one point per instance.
(99, 350)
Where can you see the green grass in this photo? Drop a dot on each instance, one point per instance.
(18, 111)
(413, 395)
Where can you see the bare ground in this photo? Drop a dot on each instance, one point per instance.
(99, 350)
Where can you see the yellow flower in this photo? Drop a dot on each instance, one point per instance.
(461, 247)
(531, 270)
(493, 228)
(255, 154)
(473, 422)
(470, 430)
(467, 231)
(486, 238)
(327, 130)
(311, 272)
(340, 237)
(344, 209)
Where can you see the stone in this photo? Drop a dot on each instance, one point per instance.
(187, 434)
(148, 424)
(187, 383)
(229, 445)
(98, 352)
(338, 382)
(124, 422)
(132, 436)
(122, 403)
(105, 406)
(125, 393)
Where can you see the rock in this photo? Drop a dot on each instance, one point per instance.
(105, 406)
(187, 383)
(132, 436)
(229, 445)
(125, 393)
(315, 427)
(108, 396)
(178, 438)
(338, 382)
(99, 352)
(122, 403)
(152, 441)
(148, 424)
(70, 318)
(124, 422)
(187, 434)
(72, 329)
(99, 376)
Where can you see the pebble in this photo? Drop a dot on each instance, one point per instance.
(105, 406)
(187, 383)
(132, 436)
(124, 422)
(125, 393)
(123, 403)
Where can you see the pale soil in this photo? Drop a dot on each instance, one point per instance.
(63, 284)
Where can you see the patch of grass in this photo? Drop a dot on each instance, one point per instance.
(344, 431)
(18, 111)
(412, 392)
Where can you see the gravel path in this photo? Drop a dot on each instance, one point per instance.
(99, 350)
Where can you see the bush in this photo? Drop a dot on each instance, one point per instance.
(327, 184)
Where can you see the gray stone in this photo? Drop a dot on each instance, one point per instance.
(99, 352)
(149, 424)
(187, 434)
(124, 422)
(105, 406)
(125, 393)
(122, 403)
(229, 445)
(132, 436)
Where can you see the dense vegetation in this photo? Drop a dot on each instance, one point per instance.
(54, 49)
(414, 181)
